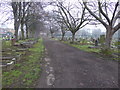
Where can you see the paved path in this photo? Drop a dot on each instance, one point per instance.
(68, 67)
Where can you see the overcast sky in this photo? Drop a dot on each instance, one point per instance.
(8, 14)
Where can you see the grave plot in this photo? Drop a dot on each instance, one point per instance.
(9, 58)
(12, 56)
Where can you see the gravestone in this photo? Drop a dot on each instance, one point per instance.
(102, 39)
(96, 42)
(13, 40)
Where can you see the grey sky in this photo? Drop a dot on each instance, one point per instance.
(8, 13)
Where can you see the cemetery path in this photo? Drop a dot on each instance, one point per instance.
(68, 67)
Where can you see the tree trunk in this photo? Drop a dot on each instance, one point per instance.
(73, 37)
(16, 27)
(52, 35)
(27, 36)
(27, 31)
(32, 34)
(22, 31)
(63, 34)
(16, 34)
(108, 38)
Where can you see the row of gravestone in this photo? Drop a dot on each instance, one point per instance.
(97, 41)
(26, 44)
(8, 62)
(100, 40)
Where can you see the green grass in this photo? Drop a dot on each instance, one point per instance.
(0, 37)
(20, 41)
(28, 71)
(6, 44)
(9, 77)
(116, 51)
(17, 65)
(105, 54)
(83, 47)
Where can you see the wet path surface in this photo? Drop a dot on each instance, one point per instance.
(68, 67)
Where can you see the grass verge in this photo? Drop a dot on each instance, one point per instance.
(83, 47)
(27, 71)
(112, 56)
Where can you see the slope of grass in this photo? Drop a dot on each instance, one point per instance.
(6, 44)
(28, 70)
(113, 54)
(83, 47)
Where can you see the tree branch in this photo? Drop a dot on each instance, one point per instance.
(103, 13)
(114, 13)
(95, 15)
(117, 27)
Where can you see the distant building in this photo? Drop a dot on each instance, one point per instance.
(6, 32)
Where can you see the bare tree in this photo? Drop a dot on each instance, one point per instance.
(24, 11)
(60, 23)
(19, 11)
(63, 30)
(73, 23)
(32, 18)
(103, 16)
(53, 27)
(16, 6)
(27, 16)
(51, 23)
